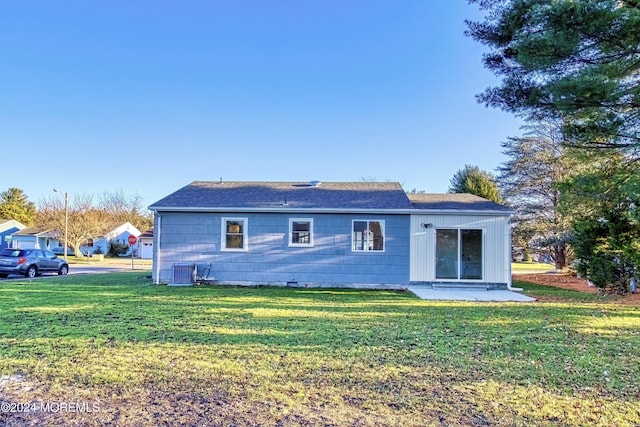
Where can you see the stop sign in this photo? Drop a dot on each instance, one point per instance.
(132, 240)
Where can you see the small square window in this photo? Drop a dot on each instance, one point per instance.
(368, 236)
(300, 232)
(234, 234)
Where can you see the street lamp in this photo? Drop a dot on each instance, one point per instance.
(66, 220)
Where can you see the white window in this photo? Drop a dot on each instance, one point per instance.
(300, 232)
(367, 235)
(234, 234)
(458, 254)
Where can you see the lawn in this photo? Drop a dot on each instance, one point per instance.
(531, 267)
(115, 349)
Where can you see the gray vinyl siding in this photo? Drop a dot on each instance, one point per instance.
(196, 238)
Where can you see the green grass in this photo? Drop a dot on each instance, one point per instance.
(157, 355)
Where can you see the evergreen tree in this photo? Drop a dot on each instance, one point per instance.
(578, 62)
(475, 181)
(573, 60)
(529, 181)
(606, 232)
(14, 204)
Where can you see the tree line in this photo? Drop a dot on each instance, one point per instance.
(87, 215)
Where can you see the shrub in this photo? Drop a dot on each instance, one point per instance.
(608, 251)
(116, 248)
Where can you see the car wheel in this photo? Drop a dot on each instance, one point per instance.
(63, 270)
(31, 272)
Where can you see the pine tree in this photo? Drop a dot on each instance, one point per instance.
(14, 204)
(577, 61)
(529, 180)
(475, 181)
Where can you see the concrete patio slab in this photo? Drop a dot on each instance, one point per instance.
(469, 295)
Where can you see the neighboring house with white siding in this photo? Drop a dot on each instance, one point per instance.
(334, 234)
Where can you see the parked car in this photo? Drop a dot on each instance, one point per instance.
(31, 262)
(59, 250)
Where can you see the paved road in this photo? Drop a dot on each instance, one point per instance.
(104, 268)
(97, 268)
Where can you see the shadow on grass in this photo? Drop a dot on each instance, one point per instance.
(126, 307)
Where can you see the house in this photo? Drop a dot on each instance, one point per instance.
(145, 244)
(115, 232)
(333, 234)
(34, 238)
(7, 228)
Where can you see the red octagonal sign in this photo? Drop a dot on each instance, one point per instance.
(132, 240)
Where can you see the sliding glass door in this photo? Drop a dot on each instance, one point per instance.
(459, 254)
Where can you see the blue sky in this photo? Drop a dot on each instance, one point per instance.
(148, 96)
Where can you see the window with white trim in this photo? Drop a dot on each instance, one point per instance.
(234, 234)
(367, 236)
(300, 232)
(459, 254)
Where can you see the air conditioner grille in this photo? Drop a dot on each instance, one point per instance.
(183, 274)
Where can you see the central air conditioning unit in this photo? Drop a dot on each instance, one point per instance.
(183, 274)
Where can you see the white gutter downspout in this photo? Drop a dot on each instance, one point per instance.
(156, 246)
(507, 253)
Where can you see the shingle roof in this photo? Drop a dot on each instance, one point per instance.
(454, 201)
(35, 231)
(146, 234)
(296, 195)
(353, 196)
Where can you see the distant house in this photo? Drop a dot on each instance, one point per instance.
(334, 234)
(116, 232)
(7, 228)
(34, 238)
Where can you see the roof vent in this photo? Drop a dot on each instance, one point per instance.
(308, 184)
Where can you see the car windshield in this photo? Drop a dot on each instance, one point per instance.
(12, 252)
